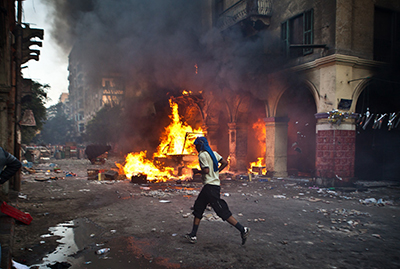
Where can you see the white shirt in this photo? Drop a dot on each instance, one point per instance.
(205, 161)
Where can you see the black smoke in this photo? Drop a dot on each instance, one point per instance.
(155, 45)
(158, 42)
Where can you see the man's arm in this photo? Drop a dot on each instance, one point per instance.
(203, 171)
(12, 166)
(223, 163)
(206, 170)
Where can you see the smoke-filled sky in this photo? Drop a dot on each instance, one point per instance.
(157, 42)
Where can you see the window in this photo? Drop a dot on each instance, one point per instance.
(81, 127)
(80, 115)
(386, 34)
(298, 30)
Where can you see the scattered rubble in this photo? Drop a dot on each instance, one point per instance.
(373, 201)
(166, 192)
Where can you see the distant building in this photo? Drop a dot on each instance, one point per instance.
(63, 97)
(88, 96)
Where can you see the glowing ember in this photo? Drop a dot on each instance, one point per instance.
(186, 93)
(176, 141)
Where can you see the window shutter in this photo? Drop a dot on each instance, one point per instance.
(308, 30)
(285, 38)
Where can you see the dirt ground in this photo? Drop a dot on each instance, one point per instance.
(293, 224)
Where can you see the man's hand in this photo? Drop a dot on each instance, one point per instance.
(196, 171)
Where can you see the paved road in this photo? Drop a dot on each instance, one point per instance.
(293, 224)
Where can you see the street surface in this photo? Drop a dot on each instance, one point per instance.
(293, 223)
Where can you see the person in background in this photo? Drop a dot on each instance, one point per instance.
(9, 165)
(210, 193)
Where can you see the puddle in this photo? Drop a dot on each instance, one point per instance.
(81, 238)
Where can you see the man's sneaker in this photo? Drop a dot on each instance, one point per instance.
(191, 239)
(245, 234)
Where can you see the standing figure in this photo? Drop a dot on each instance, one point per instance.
(210, 193)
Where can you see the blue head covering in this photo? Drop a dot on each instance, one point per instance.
(202, 141)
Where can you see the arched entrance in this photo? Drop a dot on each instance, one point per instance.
(377, 147)
(298, 105)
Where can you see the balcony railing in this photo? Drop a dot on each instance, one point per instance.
(242, 10)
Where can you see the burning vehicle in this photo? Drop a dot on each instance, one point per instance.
(174, 158)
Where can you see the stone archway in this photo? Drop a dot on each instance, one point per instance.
(229, 125)
(297, 106)
(377, 153)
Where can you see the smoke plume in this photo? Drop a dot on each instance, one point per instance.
(157, 46)
(157, 41)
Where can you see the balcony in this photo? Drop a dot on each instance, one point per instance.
(257, 13)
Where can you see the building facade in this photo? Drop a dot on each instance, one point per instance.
(15, 50)
(315, 103)
(88, 96)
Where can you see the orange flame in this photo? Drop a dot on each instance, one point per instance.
(258, 166)
(261, 134)
(186, 93)
(177, 139)
(136, 163)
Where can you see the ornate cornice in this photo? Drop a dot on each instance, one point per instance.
(338, 59)
(243, 10)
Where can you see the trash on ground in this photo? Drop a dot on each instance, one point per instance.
(102, 251)
(212, 217)
(17, 265)
(373, 201)
(22, 196)
(15, 213)
(377, 236)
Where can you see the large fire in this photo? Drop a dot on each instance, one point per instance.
(176, 143)
(260, 132)
(174, 140)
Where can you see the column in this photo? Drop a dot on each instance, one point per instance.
(335, 150)
(276, 145)
(232, 146)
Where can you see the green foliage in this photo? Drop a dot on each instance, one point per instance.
(34, 102)
(105, 127)
(58, 129)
